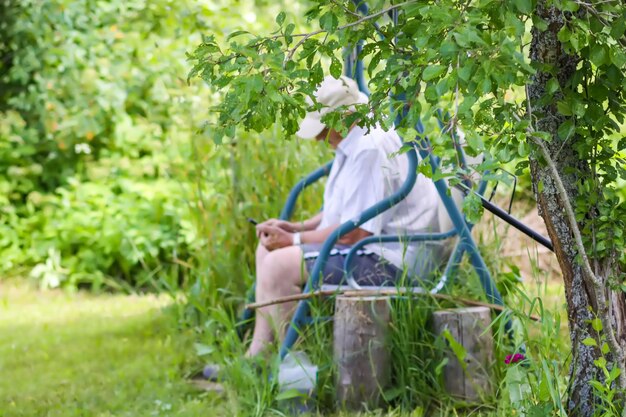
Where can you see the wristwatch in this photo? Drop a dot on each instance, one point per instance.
(296, 239)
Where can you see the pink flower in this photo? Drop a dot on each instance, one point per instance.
(518, 357)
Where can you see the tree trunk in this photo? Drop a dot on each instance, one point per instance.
(584, 300)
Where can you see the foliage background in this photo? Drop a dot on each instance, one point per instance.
(107, 178)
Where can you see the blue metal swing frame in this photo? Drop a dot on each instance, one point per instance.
(461, 228)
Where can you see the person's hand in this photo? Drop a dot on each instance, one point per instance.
(273, 237)
(287, 226)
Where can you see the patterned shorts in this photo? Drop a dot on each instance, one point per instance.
(367, 267)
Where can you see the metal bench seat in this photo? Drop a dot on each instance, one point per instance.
(372, 289)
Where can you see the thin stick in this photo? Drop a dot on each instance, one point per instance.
(366, 293)
(306, 36)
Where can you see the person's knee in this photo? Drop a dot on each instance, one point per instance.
(280, 268)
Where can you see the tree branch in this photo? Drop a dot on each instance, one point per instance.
(306, 36)
(569, 211)
(597, 14)
(362, 293)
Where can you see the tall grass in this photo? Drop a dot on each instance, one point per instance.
(536, 384)
(248, 176)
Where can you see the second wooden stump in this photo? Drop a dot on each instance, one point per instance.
(360, 349)
(470, 328)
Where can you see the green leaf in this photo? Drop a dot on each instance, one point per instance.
(203, 350)
(596, 25)
(474, 36)
(289, 394)
(564, 108)
(564, 34)
(465, 72)
(374, 62)
(605, 348)
(541, 410)
(280, 18)
(208, 48)
(578, 108)
(329, 22)
(600, 362)
(566, 129)
(485, 85)
(539, 23)
(473, 208)
(317, 73)
(517, 385)
(598, 55)
(617, 57)
(598, 92)
(597, 385)
(449, 49)
(466, 105)
(596, 324)
(440, 366)
(575, 41)
(552, 86)
(618, 27)
(289, 30)
(544, 388)
(335, 68)
(569, 6)
(393, 393)
(524, 6)
(458, 349)
(237, 33)
(523, 150)
(432, 71)
(590, 342)
(461, 39)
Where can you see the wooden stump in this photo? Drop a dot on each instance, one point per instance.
(470, 328)
(361, 351)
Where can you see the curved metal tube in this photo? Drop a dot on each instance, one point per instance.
(290, 204)
(320, 262)
(421, 237)
(492, 293)
(353, 67)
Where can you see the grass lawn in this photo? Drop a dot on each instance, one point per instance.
(64, 354)
(83, 355)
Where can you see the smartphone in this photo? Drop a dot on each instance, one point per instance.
(254, 223)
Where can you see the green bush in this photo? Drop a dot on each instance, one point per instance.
(128, 229)
(105, 176)
(89, 102)
(79, 70)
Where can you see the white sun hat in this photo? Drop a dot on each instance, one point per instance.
(331, 94)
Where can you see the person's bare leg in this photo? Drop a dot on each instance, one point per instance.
(261, 253)
(281, 273)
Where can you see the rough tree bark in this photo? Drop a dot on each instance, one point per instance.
(586, 298)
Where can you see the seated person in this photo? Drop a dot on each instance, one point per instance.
(366, 169)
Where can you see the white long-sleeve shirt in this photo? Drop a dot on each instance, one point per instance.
(368, 168)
